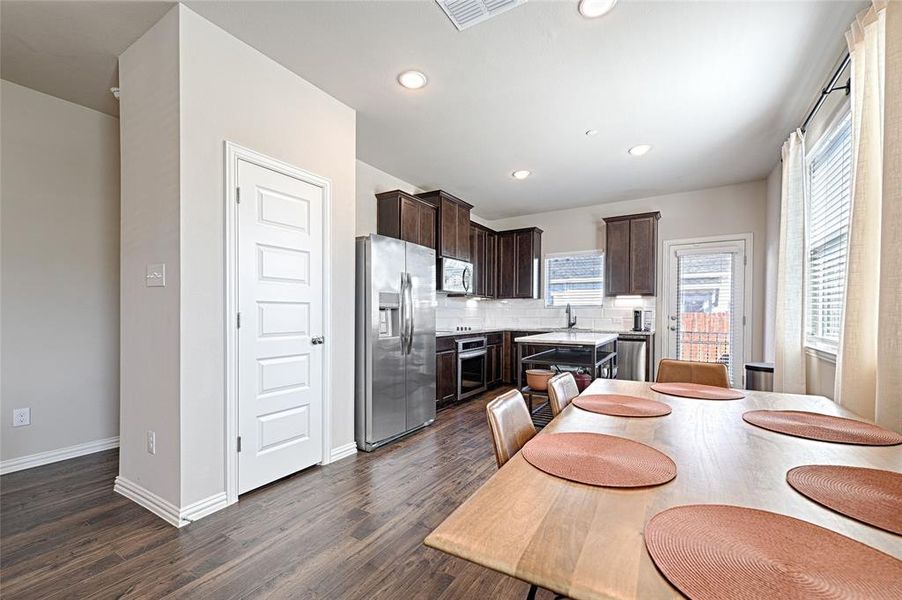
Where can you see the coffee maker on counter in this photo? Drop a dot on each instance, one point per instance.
(642, 320)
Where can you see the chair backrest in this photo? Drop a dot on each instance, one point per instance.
(561, 390)
(687, 371)
(511, 425)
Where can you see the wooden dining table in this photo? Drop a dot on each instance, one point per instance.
(586, 542)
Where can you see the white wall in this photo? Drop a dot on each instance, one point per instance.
(60, 271)
(732, 209)
(259, 104)
(149, 354)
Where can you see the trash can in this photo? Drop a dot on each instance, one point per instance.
(759, 376)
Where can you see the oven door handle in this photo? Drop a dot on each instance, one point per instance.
(471, 354)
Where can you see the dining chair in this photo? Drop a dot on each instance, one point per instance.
(510, 423)
(561, 390)
(688, 371)
(511, 427)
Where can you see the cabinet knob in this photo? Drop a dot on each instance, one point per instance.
(317, 340)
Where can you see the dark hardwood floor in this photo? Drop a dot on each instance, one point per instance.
(352, 529)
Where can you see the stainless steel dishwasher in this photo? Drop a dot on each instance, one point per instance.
(632, 352)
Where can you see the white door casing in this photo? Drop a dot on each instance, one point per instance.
(733, 288)
(277, 375)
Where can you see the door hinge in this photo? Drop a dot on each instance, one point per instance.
(745, 260)
(743, 320)
(238, 195)
(239, 321)
(239, 443)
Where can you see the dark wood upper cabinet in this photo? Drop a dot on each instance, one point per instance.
(507, 260)
(405, 217)
(482, 255)
(490, 279)
(463, 233)
(427, 226)
(519, 263)
(631, 249)
(452, 224)
(617, 258)
(643, 254)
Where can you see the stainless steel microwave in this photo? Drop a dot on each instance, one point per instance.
(457, 276)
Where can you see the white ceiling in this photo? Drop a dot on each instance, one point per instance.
(714, 86)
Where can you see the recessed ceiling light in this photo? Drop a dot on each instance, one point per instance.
(523, 174)
(640, 150)
(595, 8)
(412, 80)
(592, 132)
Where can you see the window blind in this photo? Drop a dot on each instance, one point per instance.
(576, 279)
(829, 201)
(706, 316)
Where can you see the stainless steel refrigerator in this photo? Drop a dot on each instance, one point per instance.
(395, 332)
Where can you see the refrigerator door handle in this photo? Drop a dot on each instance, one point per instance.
(409, 314)
(404, 310)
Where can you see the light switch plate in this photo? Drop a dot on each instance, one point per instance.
(156, 275)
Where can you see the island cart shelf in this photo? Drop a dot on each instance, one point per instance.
(596, 352)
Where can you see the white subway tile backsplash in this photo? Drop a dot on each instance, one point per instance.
(487, 314)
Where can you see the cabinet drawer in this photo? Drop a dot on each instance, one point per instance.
(445, 343)
(494, 338)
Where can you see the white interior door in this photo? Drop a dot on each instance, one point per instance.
(706, 304)
(280, 300)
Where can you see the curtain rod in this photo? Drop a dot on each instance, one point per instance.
(829, 89)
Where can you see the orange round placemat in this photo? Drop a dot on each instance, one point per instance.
(825, 428)
(871, 496)
(698, 391)
(598, 459)
(619, 405)
(712, 551)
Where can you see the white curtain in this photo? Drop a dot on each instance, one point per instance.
(789, 326)
(869, 360)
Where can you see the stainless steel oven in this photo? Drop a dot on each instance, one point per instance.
(471, 367)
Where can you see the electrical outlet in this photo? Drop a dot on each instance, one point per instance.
(21, 417)
(151, 442)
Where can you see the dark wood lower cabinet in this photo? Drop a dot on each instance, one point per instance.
(493, 365)
(446, 366)
(445, 377)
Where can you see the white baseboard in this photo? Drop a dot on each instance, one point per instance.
(166, 510)
(51, 456)
(204, 507)
(343, 452)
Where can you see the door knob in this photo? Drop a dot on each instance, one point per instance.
(672, 328)
(317, 340)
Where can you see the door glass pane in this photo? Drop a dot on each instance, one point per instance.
(706, 316)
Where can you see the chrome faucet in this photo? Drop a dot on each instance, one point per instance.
(571, 320)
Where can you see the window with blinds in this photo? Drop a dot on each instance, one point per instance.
(829, 201)
(576, 279)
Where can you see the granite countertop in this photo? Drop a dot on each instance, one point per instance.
(570, 338)
(446, 333)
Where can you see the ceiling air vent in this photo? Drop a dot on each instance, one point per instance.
(466, 13)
